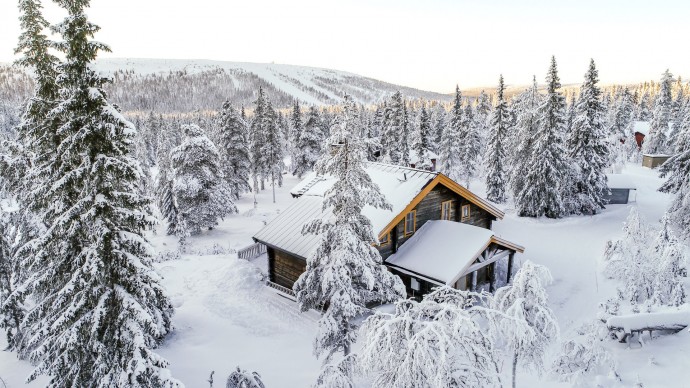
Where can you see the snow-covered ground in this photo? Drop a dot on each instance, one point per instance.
(225, 317)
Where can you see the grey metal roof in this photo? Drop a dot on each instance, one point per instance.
(400, 185)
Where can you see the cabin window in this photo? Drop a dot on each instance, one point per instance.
(410, 222)
(445, 210)
(385, 240)
(465, 212)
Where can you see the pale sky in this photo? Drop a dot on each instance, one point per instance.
(427, 44)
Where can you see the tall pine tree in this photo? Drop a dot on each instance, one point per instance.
(309, 145)
(495, 156)
(346, 272)
(200, 192)
(99, 306)
(470, 144)
(546, 165)
(451, 146)
(588, 149)
(233, 147)
(656, 141)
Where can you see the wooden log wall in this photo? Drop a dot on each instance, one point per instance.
(285, 268)
(429, 208)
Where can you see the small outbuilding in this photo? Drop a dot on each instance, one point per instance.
(640, 130)
(654, 160)
(623, 189)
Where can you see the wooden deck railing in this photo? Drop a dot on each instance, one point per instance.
(280, 288)
(252, 251)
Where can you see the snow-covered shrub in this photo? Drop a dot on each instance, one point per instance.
(533, 326)
(584, 356)
(240, 378)
(650, 275)
(626, 259)
(437, 342)
(338, 375)
(670, 267)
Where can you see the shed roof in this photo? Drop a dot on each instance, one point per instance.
(620, 181)
(641, 127)
(444, 250)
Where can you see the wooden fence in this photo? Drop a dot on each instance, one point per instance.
(252, 251)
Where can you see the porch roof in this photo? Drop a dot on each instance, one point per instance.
(444, 250)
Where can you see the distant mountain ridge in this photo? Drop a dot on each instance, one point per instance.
(162, 84)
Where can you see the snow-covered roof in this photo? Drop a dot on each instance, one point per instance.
(403, 188)
(620, 181)
(400, 185)
(442, 250)
(641, 127)
(657, 155)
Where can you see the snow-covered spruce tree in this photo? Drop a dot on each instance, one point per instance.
(165, 195)
(294, 131)
(257, 138)
(233, 147)
(451, 146)
(11, 310)
(657, 140)
(671, 267)
(241, 378)
(526, 124)
(438, 126)
(678, 109)
(438, 342)
(588, 148)
(422, 145)
(482, 114)
(34, 130)
(622, 116)
(676, 170)
(345, 271)
(309, 145)
(470, 143)
(495, 155)
(643, 110)
(272, 148)
(405, 138)
(533, 325)
(98, 307)
(393, 130)
(199, 190)
(546, 165)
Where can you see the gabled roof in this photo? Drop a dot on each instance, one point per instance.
(403, 187)
(444, 250)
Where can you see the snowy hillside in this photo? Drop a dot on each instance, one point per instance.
(234, 80)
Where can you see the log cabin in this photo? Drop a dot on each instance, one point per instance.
(437, 233)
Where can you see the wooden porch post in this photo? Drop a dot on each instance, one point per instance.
(473, 287)
(510, 266)
(491, 272)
